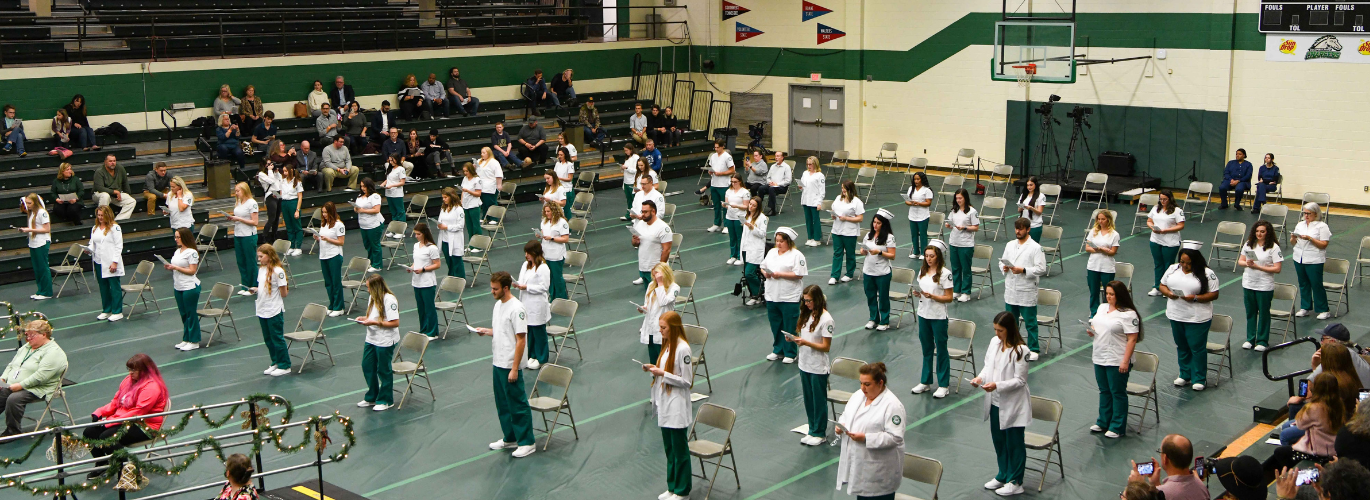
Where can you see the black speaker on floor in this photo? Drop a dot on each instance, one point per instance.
(1117, 163)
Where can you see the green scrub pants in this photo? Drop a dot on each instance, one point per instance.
(678, 478)
(734, 238)
(1009, 448)
(293, 232)
(1029, 315)
(783, 316)
(371, 241)
(537, 343)
(813, 225)
(1258, 315)
(918, 234)
(1036, 234)
(558, 286)
(1094, 280)
(42, 274)
(628, 196)
(815, 387)
(1112, 398)
(1191, 344)
(511, 402)
(428, 313)
(376, 368)
(245, 253)
(455, 266)
(487, 201)
(961, 258)
(111, 294)
(752, 272)
(332, 282)
(653, 351)
(273, 335)
(570, 200)
(473, 217)
(932, 335)
(843, 246)
(717, 195)
(190, 319)
(1312, 295)
(396, 205)
(877, 290)
(1161, 259)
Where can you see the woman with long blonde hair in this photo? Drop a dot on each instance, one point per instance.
(427, 258)
(107, 253)
(331, 235)
(534, 283)
(272, 288)
(382, 322)
(813, 187)
(185, 286)
(178, 205)
(291, 189)
(471, 191)
(659, 300)
(1102, 245)
(671, 385)
(39, 232)
(451, 226)
(244, 218)
(554, 232)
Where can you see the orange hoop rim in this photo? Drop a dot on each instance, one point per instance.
(1029, 68)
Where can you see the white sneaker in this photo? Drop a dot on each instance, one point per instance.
(1197, 387)
(738, 262)
(919, 389)
(812, 440)
(831, 281)
(31, 297)
(365, 404)
(370, 269)
(965, 297)
(390, 235)
(190, 346)
(712, 229)
(297, 252)
(623, 218)
(41, 297)
(524, 451)
(244, 293)
(870, 325)
(1096, 428)
(772, 357)
(180, 345)
(1301, 313)
(269, 369)
(501, 445)
(845, 279)
(533, 364)
(882, 328)
(813, 243)
(913, 256)
(664, 495)
(1155, 292)
(116, 317)
(1032, 356)
(940, 393)
(637, 281)
(473, 250)
(1260, 348)
(1246, 345)
(919, 257)
(380, 407)
(730, 261)
(788, 361)
(750, 302)
(993, 484)
(724, 231)
(1009, 489)
(1111, 435)
(334, 314)
(1326, 315)
(279, 371)
(1179, 382)
(103, 316)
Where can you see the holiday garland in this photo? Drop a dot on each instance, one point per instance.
(315, 432)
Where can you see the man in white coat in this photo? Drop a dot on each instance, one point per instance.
(872, 425)
(1023, 264)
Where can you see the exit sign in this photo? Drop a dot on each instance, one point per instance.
(813, 77)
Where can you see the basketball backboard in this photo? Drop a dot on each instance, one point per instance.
(1048, 46)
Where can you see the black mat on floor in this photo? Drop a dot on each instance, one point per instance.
(309, 490)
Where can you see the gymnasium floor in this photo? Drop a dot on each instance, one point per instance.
(438, 449)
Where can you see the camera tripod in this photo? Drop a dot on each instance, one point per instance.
(1046, 144)
(1077, 137)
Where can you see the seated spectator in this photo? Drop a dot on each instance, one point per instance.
(413, 148)
(111, 187)
(238, 471)
(1267, 180)
(61, 130)
(393, 145)
(434, 150)
(225, 103)
(155, 187)
(652, 156)
(1142, 490)
(533, 142)
(1340, 480)
(435, 95)
(777, 181)
(279, 155)
(562, 89)
(1236, 177)
(673, 131)
(1322, 416)
(1337, 333)
(1241, 477)
(637, 125)
(250, 110)
(1177, 456)
(535, 92)
(460, 94)
(341, 95)
(266, 131)
(13, 132)
(80, 126)
(327, 124)
(34, 373)
(337, 163)
(142, 392)
(229, 145)
(67, 193)
(412, 104)
(1353, 440)
(756, 168)
(308, 165)
(381, 122)
(317, 97)
(589, 117)
(655, 129)
(502, 146)
(354, 126)
(570, 148)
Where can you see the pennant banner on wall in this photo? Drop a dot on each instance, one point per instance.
(828, 33)
(731, 10)
(744, 32)
(812, 10)
(1317, 48)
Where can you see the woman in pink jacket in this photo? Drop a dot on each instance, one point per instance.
(142, 392)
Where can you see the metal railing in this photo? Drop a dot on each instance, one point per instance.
(236, 32)
(1288, 378)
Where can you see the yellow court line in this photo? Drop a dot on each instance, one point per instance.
(311, 493)
(1257, 434)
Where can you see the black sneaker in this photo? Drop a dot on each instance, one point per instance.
(1223, 207)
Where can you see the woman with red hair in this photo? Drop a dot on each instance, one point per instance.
(141, 393)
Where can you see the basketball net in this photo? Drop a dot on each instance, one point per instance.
(1025, 73)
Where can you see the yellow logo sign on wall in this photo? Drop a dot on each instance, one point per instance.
(1364, 48)
(1288, 46)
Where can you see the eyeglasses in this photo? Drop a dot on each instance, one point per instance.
(808, 300)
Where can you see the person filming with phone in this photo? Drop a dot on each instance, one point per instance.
(1180, 483)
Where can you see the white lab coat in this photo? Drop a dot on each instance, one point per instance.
(106, 248)
(875, 467)
(754, 240)
(1009, 371)
(454, 236)
(650, 332)
(673, 405)
(1021, 289)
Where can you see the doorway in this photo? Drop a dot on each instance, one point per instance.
(816, 120)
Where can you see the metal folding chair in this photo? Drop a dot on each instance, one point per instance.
(222, 292)
(720, 418)
(140, 287)
(416, 344)
(450, 308)
(316, 314)
(558, 377)
(71, 266)
(563, 308)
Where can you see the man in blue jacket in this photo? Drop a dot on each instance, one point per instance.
(1236, 177)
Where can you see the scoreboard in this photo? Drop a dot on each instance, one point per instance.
(1282, 17)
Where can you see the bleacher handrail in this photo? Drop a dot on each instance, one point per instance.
(1288, 377)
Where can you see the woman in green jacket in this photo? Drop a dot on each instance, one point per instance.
(67, 183)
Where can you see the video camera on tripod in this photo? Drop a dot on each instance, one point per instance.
(1081, 114)
(1045, 108)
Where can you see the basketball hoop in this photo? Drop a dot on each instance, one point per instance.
(1025, 73)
